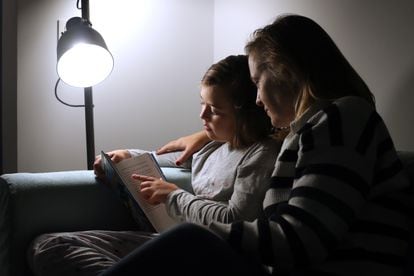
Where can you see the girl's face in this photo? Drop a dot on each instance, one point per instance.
(277, 101)
(217, 114)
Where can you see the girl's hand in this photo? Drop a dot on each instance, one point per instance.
(154, 190)
(116, 156)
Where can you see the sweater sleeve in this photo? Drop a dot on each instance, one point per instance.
(164, 160)
(245, 203)
(328, 166)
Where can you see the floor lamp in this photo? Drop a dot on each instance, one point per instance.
(83, 60)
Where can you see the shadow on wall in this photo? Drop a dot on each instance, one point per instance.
(400, 111)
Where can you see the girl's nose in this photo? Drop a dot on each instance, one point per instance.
(203, 113)
(258, 100)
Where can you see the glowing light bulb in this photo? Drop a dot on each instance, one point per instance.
(85, 65)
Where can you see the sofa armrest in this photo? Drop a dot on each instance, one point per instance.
(36, 203)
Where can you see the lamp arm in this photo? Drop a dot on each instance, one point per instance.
(63, 102)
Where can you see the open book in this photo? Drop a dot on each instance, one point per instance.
(120, 174)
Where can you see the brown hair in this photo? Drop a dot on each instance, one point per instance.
(232, 74)
(297, 52)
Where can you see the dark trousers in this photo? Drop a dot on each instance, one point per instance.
(187, 249)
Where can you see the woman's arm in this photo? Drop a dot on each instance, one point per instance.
(187, 144)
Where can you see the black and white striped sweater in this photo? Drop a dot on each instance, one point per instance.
(336, 202)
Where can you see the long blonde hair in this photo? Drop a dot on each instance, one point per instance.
(298, 52)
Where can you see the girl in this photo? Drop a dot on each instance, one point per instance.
(229, 177)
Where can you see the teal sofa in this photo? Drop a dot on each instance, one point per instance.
(35, 203)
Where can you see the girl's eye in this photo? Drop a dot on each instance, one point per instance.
(209, 109)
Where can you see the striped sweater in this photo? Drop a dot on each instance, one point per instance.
(336, 203)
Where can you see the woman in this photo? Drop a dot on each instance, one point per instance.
(336, 203)
(228, 177)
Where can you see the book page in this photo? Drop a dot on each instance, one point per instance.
(145, 164)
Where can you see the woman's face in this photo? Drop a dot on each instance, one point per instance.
(277, 101)
(217, 114)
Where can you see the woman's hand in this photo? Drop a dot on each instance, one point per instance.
(115, 155)
(188, 144)
(154, 190)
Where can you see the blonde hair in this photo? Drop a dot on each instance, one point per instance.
(297, 52)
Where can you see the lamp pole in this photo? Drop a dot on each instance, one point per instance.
(90, 138)
(85, 9)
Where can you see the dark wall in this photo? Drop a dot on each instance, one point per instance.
(8, 86)
(1, 87)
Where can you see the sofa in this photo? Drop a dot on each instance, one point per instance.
(35, 203)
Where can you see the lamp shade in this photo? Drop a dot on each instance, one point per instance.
(83, 57)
